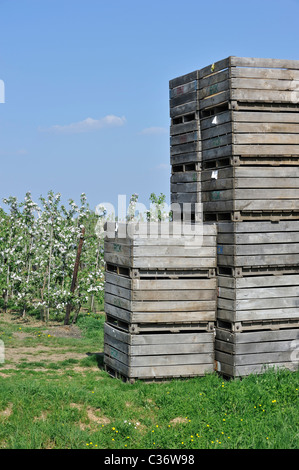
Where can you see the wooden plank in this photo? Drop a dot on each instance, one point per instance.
(255, 193)
(186, 177)
(253, 348)
(185, 127)
(252, 337)
(185, 187)
(264, 84)
(186, 108)
(183, 89)
(243, 371)
(186, 370)
(218, 141)
(221, 118)
(258, 227)
(264, 117)
(179, 295)
(183, 79)
(263, 63)
(184, 138)
(217, 130)
(214, 89)
(173, 317)
(270, 96)
(185, 198)
(260, 281)
(214, 68)
(264, 138)
(213, 79)
(258, 314)
(264, 127)
(262, 293)
(173, 284)
(215, 100)
(194, 157)
(191, 147)
(264, 73)
(183, 99)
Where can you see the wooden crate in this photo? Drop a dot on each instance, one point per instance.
(240, 81)
(160, 300)
(247, 192)
(258, 247)
(258, 298)
(250, 135)
(157, 356)
(162, 246)
(241, 354)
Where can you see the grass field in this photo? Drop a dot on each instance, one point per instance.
(54, 394)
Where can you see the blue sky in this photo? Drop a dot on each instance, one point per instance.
(86, 85)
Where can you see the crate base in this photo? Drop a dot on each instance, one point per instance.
(239, 354)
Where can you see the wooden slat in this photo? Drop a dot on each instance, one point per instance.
(264, 63)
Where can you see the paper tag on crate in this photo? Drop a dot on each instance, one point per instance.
(214, 174)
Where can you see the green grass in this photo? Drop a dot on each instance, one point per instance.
(72, 403)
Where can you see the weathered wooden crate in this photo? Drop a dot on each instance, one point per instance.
(157, 356)
(185, 184)
(239, 81)
(162, 246)
(251, 135)
(151, 301)
(258, 298)
(258, 247)
(241, 354)
(247, 192)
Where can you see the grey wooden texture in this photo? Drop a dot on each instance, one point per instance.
(180, 294)
(185, 158)
(184, 138)
(259, 314)
(266, 149)
(238, 284)
(249, 339)
(257, 227)
(185, 127)
(185, 177)
(264, 63)
(183, 89)
(183, 99)
(254, 347)
(190, 147)
(160, 305)
(162, 317)
(162, 284)
(263, 117)
(256, 358)
(182, 198)
(188, 187)
(183, 109)
(258, 297)
(243, 371)
(147, 354)
(163, 339)
(151, 345)
(183, 79)
(186, 370)
(254, 89)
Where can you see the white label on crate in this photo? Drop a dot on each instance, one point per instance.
(214, 174)
(215, 120)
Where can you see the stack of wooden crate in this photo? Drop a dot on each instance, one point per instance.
(185, 142)
(249, 137)
(160, 302)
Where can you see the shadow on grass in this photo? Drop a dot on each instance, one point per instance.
(98, 358)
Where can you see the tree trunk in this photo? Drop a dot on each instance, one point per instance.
(75, 274)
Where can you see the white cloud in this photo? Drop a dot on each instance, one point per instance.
(154, 131)
(88, 125)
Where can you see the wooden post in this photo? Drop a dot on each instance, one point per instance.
(75, 274)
